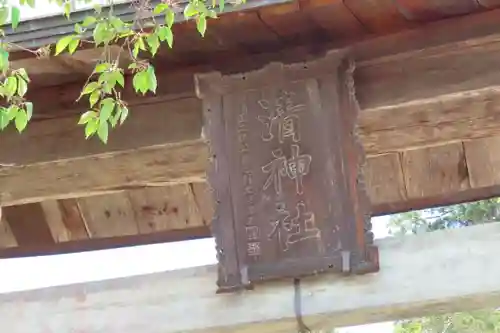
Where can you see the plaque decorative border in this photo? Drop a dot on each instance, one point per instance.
(326, 85)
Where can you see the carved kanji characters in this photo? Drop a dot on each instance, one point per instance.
(290, 230)
(253, 249)
(281, 117)
(276, 170)
(294, 168)
(298, 167)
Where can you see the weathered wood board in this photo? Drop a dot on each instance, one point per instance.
(287, 172)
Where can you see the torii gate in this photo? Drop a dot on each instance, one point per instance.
(426, 81)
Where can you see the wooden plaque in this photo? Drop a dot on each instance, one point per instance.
(286, 172)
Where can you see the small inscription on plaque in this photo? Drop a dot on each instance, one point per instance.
(288, 178)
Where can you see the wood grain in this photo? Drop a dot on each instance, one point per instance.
(204, 200)
(288, 22)
(57, 139)
(111, 216)
(335, 18)
(483, 161)
(111, 172)
(28, 224)
(7, 238)
(65, 220)
(384, 179)
(427, 10)
(430, 72)
(433, 121)
(165, 208)
(435, 171)
(378, 16)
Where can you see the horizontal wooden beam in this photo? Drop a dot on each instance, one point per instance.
(94, 244)
(399, 290)
(105, 173)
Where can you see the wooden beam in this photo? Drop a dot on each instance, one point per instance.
(105, 173)
(131, 304)
(12, 250)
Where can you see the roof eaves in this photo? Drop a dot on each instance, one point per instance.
(35, 33)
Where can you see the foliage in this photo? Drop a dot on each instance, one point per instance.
(486, 211)
(143, 36)
(484, 321)
(432, 219)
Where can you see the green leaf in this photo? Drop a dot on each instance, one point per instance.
(153, 43)
(63, 43)
(201, 24)
(4, 119)
(94, 97)
(114, 120)
(107, 106)
(123, 114)
(190, 10)
(141, 44)
(170, 18)
(67, 9)
(87, 116)
(108, 81)
(97, 8)
(15, 15)
(29, 109)
(153, 84)
(4, 15)
(21, 120)
(103, 67)
(102, 132)
(165, 34)
(30, 3)
(141, 82)
(90, 88)
(120, 79)
(212, 14)
(135, 51)
(78, 29)
(88, 21)
(133, 65)
(160, 8)
(103, 34)
(73, 45)
(22, 87)
(201, 8)
(23, 74)
(91, 127)
(10, 85)
(117, 23)
(12, 112)
(221, 5)
(4, 60)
